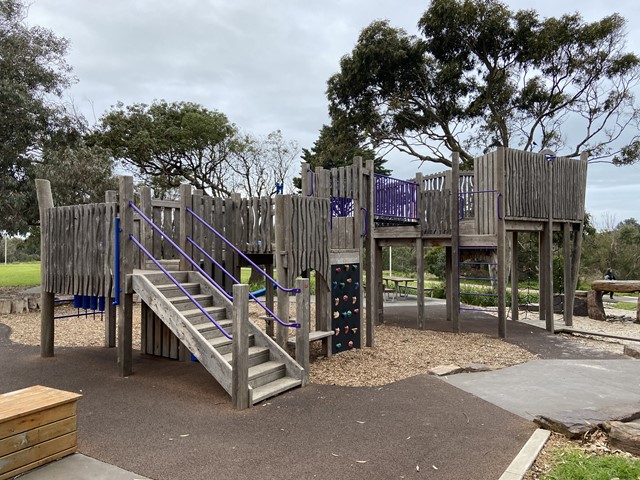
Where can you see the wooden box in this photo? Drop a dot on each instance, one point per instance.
(37, 425)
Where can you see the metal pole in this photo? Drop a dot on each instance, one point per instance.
(6, 241)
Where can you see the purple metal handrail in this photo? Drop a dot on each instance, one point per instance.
(395, 198)
(180, 251)
(182, 289)
(239, 252)
(235, 280)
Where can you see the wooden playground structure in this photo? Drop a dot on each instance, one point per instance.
(183, 258)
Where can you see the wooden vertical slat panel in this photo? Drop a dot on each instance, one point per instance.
(218, 225)
(207, 235)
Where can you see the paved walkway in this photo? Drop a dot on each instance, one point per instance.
(172, 420)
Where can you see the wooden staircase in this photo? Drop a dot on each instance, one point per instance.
(271, 370)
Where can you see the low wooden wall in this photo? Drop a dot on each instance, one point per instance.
(37, 425)
(79, 253)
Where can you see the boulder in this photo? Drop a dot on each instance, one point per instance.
(624, 436)
(444, 370)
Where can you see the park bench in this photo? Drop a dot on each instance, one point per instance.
(37, 425)
(414, 288)
(598, 287)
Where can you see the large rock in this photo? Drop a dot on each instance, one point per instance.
(595, 306)
(624, 436)
(575, 423)
(632, 351)
(444, 370)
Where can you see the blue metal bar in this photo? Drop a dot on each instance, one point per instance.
(85, 314)
(235, 280)
(365, 230)
(312, 182)
(116, 261)
(477, 263)
(235, 249)
(182, 289)
(479, 309)
(182, 252)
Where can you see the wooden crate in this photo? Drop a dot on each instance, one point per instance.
(37, 425)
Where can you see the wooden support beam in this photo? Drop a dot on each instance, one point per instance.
(281, 269)
(186, 225)
(455, 244)
(548, 257)
(240, 348)
(110, 317)
(575, 261)
(370, 256)
(542, 271)
(269, 296)
(502, 244)
(47, 299)
(448, 278)
(569, 290)
(515, 277)
(302, 333)
(420, 289)
(127, 255)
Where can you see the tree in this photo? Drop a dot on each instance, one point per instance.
(481, 76)
(337, 145)
(262, 164)
(33, 75)
(169, 143)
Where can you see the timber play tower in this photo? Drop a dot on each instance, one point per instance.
(183, 258)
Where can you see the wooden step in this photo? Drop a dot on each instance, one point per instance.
(172, 265)
(266, 372)
(171, 290)
(160, 278)
(185, 303)
(313, 336)
(274, 388)
(257, 355)
(223, 345)
(195, 316)
(208, 330)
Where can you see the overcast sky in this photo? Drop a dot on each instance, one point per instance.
(265, 63)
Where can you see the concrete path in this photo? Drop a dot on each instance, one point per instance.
(80, 467)
(597, 389)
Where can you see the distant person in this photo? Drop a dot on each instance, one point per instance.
(608, 275)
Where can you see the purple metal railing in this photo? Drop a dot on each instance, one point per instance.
(396, 199)
(180, 251)
(239, 252)
(182, 289)
(235, 280)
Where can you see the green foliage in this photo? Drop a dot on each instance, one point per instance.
(20, 250)
(336, 147)
(19, 274)
(614, 247)
(481, 75)
(169, 143)
(33, 76)
(435, 261)
(572, 464)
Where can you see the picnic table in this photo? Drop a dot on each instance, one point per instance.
(599, 287)
(401, 286)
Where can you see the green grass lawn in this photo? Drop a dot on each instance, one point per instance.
(20, 274)
(577, 465)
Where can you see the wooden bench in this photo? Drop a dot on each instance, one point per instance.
(598, 287)
(314, 336)
(37, 425)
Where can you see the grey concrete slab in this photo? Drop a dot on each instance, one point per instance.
(591, 388)
(80, 467)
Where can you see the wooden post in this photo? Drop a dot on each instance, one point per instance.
(186, 225)
(502, 245)
(125, 307)
(548, 257)
(47, 299)
(542, 272)
(269, 298)
(569, 290)
(360, 201)
(323, 310)
(515, 277)
(305, 189)
(110, 319)
(240, 347)
(371, 257)
(281, 269)
(448, 279)
(146, 232)
(302, 333)
(455, 244)
(420, 289)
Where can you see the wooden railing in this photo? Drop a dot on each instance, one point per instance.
(79, 254)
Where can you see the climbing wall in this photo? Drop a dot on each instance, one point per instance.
(345, 306)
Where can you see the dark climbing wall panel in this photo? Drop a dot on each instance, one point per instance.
(345, 306)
